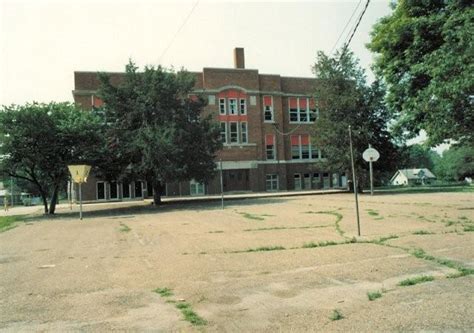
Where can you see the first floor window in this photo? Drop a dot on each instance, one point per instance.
(114, 190)
(314, 152)
(243, 132)
(100, 191)
(272, 182)
(234, 133)
(297, 179)
(224, 132)
(138, 189)
(196, 188)
(313, 115)
(125, 190)
(315, 181)
(270, 146)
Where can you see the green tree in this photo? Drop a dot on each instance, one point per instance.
(424, 53)
(38, 141)
(343, 97)
(157, 131)
(418, 156)
(456, 163)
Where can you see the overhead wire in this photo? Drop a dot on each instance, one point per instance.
(345, 27)
(346, 45)
(178, 31)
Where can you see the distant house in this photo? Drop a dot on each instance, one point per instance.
(412, 177)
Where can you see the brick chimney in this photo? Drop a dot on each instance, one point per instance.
(239, 57)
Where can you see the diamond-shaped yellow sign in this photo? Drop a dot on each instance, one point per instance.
(79, 173)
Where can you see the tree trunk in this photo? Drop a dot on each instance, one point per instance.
(45, 201)
(54, 200)
(157, 188)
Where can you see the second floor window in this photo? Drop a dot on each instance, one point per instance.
(302, 149)
(243, 132)
(302, 110)
(243, 106)
(234, 132)
(270, 146)
(224, 132)
(232, 106)
(222, 106)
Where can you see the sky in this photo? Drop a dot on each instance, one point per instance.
(43, 42)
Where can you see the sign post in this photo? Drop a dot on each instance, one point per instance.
(79, 174)
(371, 155)
(354, 181)
(222, 184)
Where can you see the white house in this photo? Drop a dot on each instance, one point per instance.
(412, 177)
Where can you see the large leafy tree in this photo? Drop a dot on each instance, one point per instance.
(456, 163)
(417, 156)
(344, 98)
(424, 53)
(38, 141)
(157, 129)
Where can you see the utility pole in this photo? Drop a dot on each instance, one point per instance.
(354, 181)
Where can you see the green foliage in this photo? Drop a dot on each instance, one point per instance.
(336, 315)
(416, 280)
(157, 131)
(424, 54)
(190, 315)
(456, 163)
(164, 292)
(8, 222)
(38, 141)
(418, 156)
(343, 97)
(373, 295)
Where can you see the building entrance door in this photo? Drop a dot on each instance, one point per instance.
(236, 180)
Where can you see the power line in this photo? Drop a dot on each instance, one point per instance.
(346, 45)
(345, 27)
(178, 31)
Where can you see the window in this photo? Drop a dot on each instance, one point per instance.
(196, 188)
(100, 191)
(232, 106)
(301, 148)
(315, 181)
(243, 106)
(224, 132)
(126, 190)
(301, 111)
(272, 182)
(234, 134)
(267, 108)
(138, 189)
(114, 189)
(222, 106)
(243, 132)
(297, 179)
(293, 106)
(307, 180)
(270, 146)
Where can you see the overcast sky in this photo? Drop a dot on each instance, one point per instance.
(44, 42)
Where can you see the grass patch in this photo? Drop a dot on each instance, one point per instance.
(338, 216)
(462, 271)
(8, 222)
(336, 315)
(469, 228)
(381, 240)
(416, 280)
(423, 232)
(373, 295)
(164, 292)
(320, 244)
(216, 232)
(288, 228)
(379, 218)
(124, 228)
(372, 212)
(262, 249)
(253, 216)
(190, 315)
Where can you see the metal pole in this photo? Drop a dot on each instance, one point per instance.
(11, 191)
(222, 185)
(354, 181)
(80, 201)
(371, 175)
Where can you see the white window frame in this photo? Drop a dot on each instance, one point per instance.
(236, 132)
(129, 190)
(273, 180)
(300, 179)
(97, 190)
(243, 111)
(242, 123)
(222, 106)
(297, 111)
(197, 186)
(233, 107)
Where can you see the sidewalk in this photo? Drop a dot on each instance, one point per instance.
(24, 210)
